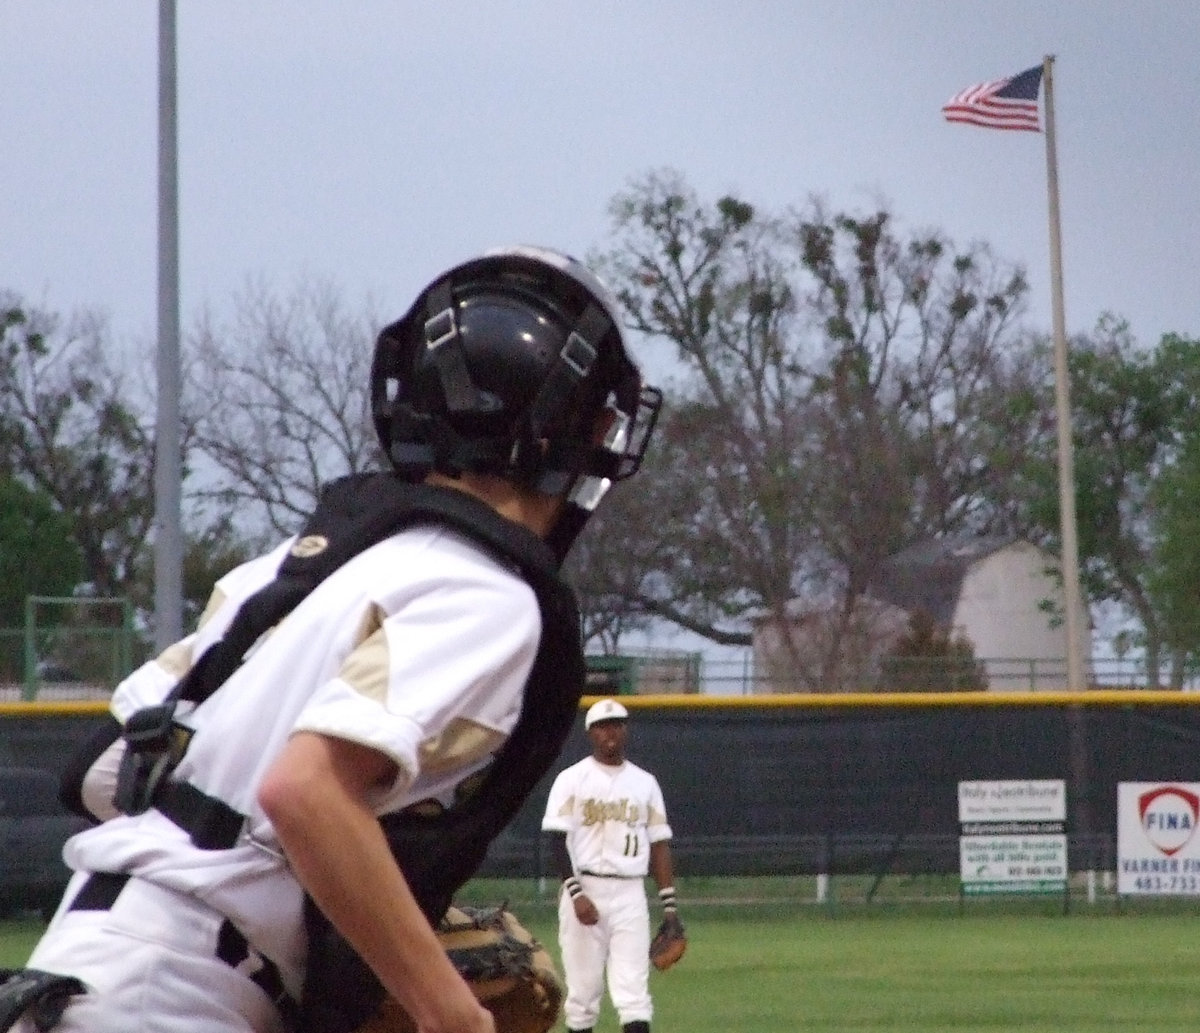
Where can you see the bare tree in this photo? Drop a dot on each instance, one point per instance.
(838, 380)
(282, 402)
(732, 505)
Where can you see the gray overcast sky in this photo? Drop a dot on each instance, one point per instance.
(373, 143)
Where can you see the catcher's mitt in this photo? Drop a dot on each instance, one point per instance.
(669, 942)
(509, 971)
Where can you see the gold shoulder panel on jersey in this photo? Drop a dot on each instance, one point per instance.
(366, 668)
(461, 742)
(372, 621)
(215, 601)
(176, 659)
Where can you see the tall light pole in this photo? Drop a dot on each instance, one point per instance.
(168, 463)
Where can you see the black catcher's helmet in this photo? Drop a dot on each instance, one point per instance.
(513, 364)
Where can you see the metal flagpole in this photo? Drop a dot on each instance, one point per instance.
(168, 539)
(1076, 676)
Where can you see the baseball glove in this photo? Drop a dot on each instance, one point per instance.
(669, 942)
(509, 971)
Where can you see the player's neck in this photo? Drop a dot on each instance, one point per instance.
(539, 513)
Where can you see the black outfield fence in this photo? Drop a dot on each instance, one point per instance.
(868, 784)
(838, 785)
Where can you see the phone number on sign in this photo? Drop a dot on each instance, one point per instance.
(1167, 884)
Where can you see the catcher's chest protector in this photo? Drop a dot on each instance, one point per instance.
(441, 852)
(437, 853)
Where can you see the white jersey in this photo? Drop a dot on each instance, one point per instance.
(611, 815)
(418, 647)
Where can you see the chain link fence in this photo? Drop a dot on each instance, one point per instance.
(69, 649)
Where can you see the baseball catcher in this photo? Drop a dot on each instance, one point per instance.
(287, 800)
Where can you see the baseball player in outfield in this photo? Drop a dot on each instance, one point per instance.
(608, 829)
(337, 777)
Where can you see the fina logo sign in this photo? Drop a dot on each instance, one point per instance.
(1169, 815)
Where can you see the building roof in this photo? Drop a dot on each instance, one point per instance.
(929, 576)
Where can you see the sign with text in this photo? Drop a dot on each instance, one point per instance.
(1012, 836)
(1158, 851)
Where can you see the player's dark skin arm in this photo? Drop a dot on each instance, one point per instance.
(661, 869)
(585, 909)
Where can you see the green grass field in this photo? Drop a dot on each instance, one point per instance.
(778, 967)
(895, 972)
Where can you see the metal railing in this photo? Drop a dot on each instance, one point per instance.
(65, 663)
(657, 672)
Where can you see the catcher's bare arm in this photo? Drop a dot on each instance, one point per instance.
(315, 796)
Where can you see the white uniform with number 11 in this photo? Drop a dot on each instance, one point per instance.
(611, 815)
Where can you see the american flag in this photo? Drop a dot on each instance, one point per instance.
(1001, 104)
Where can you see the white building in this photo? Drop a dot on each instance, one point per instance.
(1003, 595)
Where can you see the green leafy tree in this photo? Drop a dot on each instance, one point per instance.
(38, 554)
(38, 557)
(1133, 430)
(1173, 580)
(72, 430)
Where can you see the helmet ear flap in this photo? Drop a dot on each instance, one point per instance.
(402, 430)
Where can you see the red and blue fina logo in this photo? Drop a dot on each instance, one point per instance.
(1169, 816)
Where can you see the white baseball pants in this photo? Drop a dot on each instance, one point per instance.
(619, 945)
(151, 963)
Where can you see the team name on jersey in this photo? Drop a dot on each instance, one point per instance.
(597, 811)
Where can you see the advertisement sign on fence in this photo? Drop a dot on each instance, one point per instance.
(1012, 836)
(1158, 851)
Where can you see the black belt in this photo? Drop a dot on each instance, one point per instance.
(608, 875)
(100, 892)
